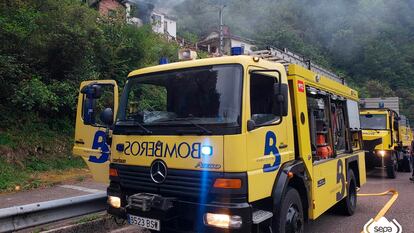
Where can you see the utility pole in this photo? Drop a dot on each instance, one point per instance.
(221, 29)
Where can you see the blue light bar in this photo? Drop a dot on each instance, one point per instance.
(237, 51)
(163, 60)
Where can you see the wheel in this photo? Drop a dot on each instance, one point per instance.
(405, 164)
(392, 167)
(391, 171)
(347, 205)
(290, 219)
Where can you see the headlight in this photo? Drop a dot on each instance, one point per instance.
(222, 220)
(206, 150)
(381, 152)
(114, 201)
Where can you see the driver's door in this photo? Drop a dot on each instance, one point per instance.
(90, 135)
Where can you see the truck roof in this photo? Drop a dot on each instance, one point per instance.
(386, 102)
(242, 59)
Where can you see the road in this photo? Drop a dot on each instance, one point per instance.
(368, 207)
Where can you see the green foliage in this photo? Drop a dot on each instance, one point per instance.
(51, 46)
(34, 164)
(34, 95)
(48, 47)
(10, 175)
(189, 37)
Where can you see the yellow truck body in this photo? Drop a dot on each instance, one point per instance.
(230, 170)
(387, 140)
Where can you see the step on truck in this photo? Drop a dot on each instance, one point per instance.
(387, 136)
(259, 143)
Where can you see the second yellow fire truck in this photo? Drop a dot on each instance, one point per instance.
(387, 135)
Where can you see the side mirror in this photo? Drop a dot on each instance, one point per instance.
(280, 105)
(91, 92)
(251, 125)
(107, 116)
(396, 124)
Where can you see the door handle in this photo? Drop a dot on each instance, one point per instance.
(80, 141)
(282, 146)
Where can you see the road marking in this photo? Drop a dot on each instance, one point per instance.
(387, 206)
(80, 188)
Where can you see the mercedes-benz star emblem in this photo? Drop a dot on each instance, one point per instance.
(158, 171)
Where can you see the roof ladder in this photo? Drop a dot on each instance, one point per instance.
(286, 57)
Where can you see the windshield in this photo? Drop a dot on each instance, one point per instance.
(373, 121)
(209, 95)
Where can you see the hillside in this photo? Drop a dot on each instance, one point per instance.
(369, 42)
(48, 47)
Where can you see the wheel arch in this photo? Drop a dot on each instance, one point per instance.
(298, 182)
(352, 164)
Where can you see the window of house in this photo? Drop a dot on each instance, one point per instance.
(156, 20)
(111, 13)
(262, 98)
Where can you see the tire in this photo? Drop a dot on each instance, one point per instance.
(290, 218)
(348, 205)
(405, 164)
(392, 166)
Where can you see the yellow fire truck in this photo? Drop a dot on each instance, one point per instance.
(256, 143)
(387, 136)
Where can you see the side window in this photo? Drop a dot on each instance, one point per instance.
(354, 124)
(262, 98)
(339, 126)
(105, 101)
(318, 113)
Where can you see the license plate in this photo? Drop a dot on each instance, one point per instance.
(148, 223)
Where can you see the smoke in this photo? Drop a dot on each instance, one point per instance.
(336, 26)
(165, 6)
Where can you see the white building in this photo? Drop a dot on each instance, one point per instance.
(211, 43)
(161, 23)
(246, 44)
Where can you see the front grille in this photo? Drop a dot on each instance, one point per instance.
(178, 183)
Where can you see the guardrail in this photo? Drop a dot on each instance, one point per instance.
(21, 217)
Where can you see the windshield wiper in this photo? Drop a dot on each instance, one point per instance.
(135, 122)
(205, 130)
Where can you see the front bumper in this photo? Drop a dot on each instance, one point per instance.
(192, 194)
(186, 216)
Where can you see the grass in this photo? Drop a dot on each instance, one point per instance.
(88, 218)
(30, 146)
(12, 176)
